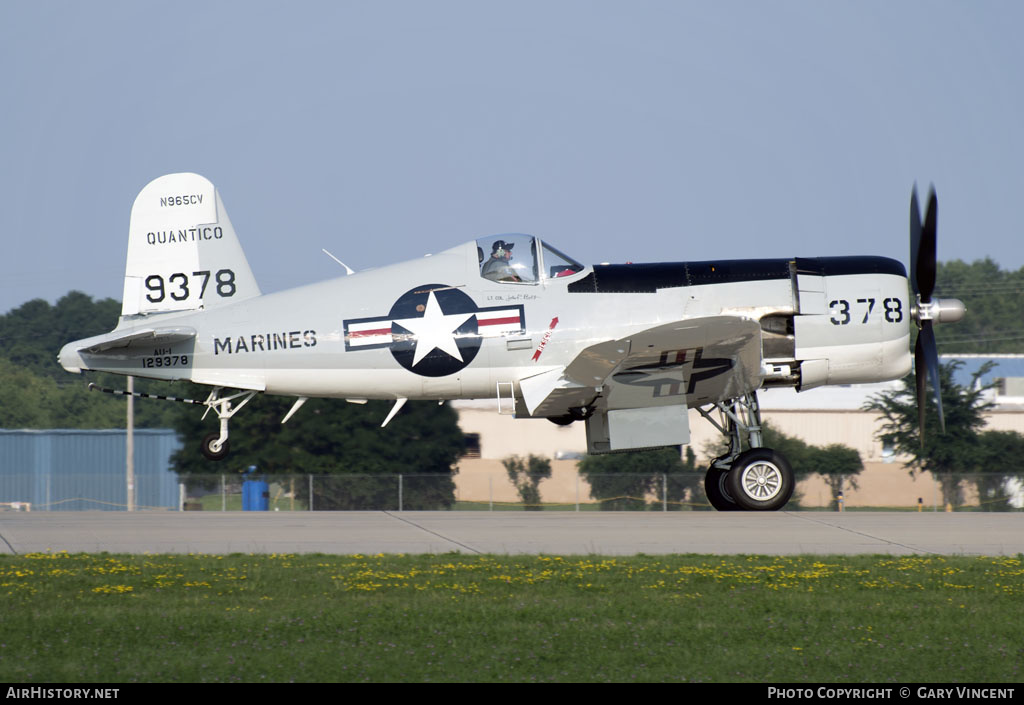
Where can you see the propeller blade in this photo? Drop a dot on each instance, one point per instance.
(921, 377)
(915, 238)
(926, 250)
(926, 352)
(922, 282)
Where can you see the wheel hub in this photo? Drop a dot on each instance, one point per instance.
(762, 481)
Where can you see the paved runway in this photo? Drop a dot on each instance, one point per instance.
(553, 533)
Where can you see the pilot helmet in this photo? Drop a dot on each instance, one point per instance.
(501, 248)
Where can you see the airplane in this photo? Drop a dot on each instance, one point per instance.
(626, 349)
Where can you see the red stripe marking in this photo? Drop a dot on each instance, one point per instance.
(366, 333)
(497, 321)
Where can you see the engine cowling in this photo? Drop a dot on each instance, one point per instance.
(852, 323)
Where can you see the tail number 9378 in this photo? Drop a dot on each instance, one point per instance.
(179, 286)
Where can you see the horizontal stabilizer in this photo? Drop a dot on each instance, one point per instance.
(144, 337)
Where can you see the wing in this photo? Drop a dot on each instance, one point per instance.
(696, 362)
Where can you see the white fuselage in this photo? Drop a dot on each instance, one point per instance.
(343, 337)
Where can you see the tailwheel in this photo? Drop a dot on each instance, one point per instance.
(215, 445)
(716, 491)
(760, 480)
(212, 449)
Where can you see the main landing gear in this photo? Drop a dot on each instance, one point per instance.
(757, 479)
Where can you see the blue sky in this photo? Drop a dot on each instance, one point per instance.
(639, 131)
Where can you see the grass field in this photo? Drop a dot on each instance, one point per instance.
(872, 619)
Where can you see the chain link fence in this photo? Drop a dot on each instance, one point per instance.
(493, 492)
(612, 492)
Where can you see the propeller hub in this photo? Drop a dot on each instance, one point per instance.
(939, 310)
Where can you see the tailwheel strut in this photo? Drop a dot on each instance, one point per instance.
(215, 446)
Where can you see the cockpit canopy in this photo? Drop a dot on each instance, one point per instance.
(522, 259)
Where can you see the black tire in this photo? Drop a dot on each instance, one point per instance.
(761, 480)
(209, 453)
(716, 491)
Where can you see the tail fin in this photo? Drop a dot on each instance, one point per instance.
(182, 251)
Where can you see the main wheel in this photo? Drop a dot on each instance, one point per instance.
(760, 480)
(715, 489)
(206, 448)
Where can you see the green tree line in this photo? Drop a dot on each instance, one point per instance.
(965, 452)
(995, 308)
(36, 392)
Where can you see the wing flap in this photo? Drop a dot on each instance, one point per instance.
(690, 362)
(552, 394)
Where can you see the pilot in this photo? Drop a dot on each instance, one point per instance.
(497, 268)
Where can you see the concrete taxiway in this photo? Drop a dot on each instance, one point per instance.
(561, 533)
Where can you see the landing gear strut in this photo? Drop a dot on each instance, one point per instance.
(215, 446)
(757, 479)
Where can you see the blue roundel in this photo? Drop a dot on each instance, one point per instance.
(447, 324)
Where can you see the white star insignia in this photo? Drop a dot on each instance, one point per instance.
(435, 330)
